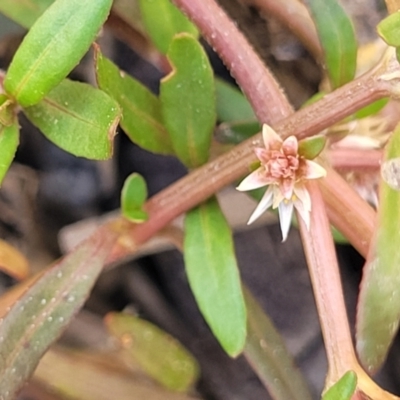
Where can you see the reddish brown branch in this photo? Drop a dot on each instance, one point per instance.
(324, 272)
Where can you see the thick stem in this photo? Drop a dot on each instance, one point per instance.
(324, 272)
(355, 159)
(350, 214)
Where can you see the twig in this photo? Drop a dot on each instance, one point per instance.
(324, 272)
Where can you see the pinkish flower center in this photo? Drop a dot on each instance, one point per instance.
(281, 166)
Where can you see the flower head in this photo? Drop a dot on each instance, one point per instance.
(285, 172)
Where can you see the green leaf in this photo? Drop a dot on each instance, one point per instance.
(232, 105)
(267, 353)
(24, 12)
(338, 40)
(389, 29)
(9, 139)
(188, 101)
(378, 311)
(343, 389)
(372, 108)
(133, 196)
(141, 110)
(53, 47)
(311, 148)
(163, 21)
(213, 275)
(78, 118)
(129, 11)
(40, 315)
(158, 354)
(236, 132)
(7, 110)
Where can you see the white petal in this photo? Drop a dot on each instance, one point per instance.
(314, 170)
(278, 196)
(254, 181)
(290, 145)
(302, 193)
(270, 136)
(285, 218)
(262, 206)
(304, 213)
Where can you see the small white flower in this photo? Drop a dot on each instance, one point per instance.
(285, 171)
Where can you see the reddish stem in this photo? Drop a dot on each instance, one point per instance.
(324, 272)
(350, 214)
(355, 159)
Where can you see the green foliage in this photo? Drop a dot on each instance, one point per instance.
(266, 350)
(133, 196)
(372, 108)
(9, 139)
(53, 47)
(234, 110)
(236, 132)
(188, 100)
(43, 311)
(24, 12)
(389, 29)
(343, 389)
(378, 311)
(7, 111)
(337, 37)
(78, 118)
(141, 109)
(163, 21)
(311, 148)
(213, 275)
(157, 353)
(231, 104)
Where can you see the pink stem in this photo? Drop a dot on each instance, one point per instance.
(324, 272)
(355, 159)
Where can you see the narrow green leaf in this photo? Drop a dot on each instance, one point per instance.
(232, 105)
(129, 11)
(78, 118)
(9, 139)
(163, 21)
(38, 318)
(389, 29)
(267, 353)
(158, 353)
(338, 40)
(188, 101)
(24, 12)
(343, 389)
(133, 196)
(214, 276)
(236, 132)
(372, 108)
(141, 109)
(378, 311)
(53, 47)
(311, 148)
